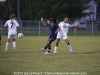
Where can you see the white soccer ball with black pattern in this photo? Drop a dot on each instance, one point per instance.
(20, 35)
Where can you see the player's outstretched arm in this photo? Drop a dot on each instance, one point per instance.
(43, 21)
(17, 26)
(75, 26)
(6, 24)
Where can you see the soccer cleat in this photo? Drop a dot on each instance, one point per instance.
(14, 48)
(15, 51)
(71, 52)
(47, 53)
(5, 52)
(55, 53)
(42, 49)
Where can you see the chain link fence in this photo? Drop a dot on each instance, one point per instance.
(36, 28)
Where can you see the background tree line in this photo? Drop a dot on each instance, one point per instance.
(34, 9)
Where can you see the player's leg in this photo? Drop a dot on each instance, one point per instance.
(49, 49)
(14, 42)
(7, 45)
(0, 40)
(47, 45)
(56, 47)
(51, 39)
(57, 43)
(69, 45)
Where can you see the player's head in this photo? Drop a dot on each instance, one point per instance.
(65, 19)
(12, 16)
(50, 21)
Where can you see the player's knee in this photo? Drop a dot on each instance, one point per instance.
(68, 43)
(8, 40)
(50, 40)
(13, 39)
(57, 43)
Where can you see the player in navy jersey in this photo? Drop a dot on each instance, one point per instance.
(54, 28)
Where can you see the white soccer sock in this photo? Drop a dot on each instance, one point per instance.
(55, 49)
(7, 45)
(14, 45)
(70, 47)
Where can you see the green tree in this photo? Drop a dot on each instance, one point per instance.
(8, 8)
(27, 7)
(97, 1)
(31, 9)
(59, 8)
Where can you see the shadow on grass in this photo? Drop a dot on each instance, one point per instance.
(91, 52)
(88, 52)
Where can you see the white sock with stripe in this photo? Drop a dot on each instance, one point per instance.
(14, 45)
(55, 50)
(7, 46)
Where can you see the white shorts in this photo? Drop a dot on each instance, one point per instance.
(10, 35)
(59, 36)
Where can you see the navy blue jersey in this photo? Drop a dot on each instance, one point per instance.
(53, 28)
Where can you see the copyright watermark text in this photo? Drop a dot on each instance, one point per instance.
(49, 73)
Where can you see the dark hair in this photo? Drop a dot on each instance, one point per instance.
(65, 17)
(52, 20)
(12, 16)
(55, 21)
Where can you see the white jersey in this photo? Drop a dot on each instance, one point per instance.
(64, 28)
(12, 26)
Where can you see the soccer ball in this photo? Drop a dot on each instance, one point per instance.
(20, 35)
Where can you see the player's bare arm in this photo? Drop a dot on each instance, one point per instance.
(43, 21)
(75, 25)
(5, 25)
(58, 29)
(17, 26)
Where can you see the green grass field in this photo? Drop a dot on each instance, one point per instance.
(30, 59)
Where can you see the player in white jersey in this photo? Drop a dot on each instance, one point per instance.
(63, 34)
(12, 31)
